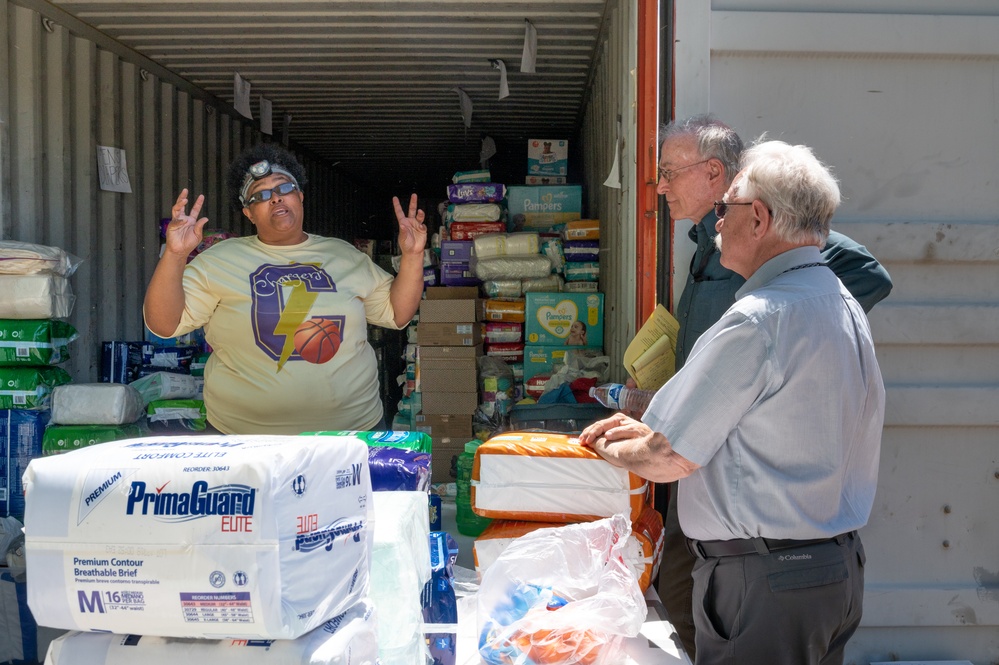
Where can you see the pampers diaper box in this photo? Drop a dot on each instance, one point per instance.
(571, 319)
(219, 537)
(542, 207)
(548, 157)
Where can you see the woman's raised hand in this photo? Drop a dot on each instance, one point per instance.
(412, 230)
(184, 233)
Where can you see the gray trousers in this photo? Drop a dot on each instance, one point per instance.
(796, 607)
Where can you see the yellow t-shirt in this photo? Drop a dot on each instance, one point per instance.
(251, 298)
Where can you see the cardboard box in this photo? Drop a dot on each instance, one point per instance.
(457, 403)
(449, 375)
(540, 208)
(547, 157)
(430, 353)
(449, 334)
(457, 251)
(452, 293)
(556, 319)
(545, 180)
(452, 311)
(450, 432)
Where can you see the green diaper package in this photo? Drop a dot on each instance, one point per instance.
(34, 342)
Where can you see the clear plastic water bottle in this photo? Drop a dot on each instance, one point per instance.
(616, 396)
(468, 523)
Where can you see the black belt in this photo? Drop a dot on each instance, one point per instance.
(705, 549)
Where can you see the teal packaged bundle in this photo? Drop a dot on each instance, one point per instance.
(34, 342)
(419, 441)
(170, 414)
(64, 438)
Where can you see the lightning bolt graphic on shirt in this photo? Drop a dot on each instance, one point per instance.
(297, 307)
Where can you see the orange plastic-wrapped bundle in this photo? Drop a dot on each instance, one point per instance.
(510, 310)
(546, 477)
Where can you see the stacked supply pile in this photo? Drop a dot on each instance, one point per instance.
(581, 249)
(409, 405)
(557, 323)
(531, 480)
(511, 265)
(217, 543)
(450, 343)
(399, 463)
(474, 209)
(34, 294)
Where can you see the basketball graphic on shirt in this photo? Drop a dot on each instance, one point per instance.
(317, 340)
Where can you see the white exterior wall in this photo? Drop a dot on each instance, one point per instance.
(901, 100)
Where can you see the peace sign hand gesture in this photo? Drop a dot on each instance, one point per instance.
(412, 230)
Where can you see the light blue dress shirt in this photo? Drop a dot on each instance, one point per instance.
(781, 403)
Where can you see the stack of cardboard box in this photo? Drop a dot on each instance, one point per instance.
(450, 342)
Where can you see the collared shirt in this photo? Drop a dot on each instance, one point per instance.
(710, 288)
(781, 403)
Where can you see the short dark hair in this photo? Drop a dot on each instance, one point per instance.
(274, 154)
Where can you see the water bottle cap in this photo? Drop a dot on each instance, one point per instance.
(593, 391)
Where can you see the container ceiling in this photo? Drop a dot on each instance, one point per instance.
(374, 82)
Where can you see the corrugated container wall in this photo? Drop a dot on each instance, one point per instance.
(609, 142)
(61, 96)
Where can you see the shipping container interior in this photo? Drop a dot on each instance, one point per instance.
(366, 94)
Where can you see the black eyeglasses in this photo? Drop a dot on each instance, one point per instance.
(721, 207)
(283, 189)
(669, 174)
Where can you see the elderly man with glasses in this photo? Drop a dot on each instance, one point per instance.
(772, 427)
(699, 158)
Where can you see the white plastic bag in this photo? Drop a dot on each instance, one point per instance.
(561, 595)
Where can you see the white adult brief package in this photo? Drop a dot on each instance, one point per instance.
(252, 537)
(346, 639)
(96, 404)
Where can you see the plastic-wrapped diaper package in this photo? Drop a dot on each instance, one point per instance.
(30, 387)
(60, 439)
(498, 332)
(398, 470)
(503, 288)
(475, 212)
(242, 537)
(508, 310)
(96, 404)
(39, 296)
(581, 250)
(581, 287)
(582, 271)
(552, 248)
(582, 229)
(549, 284)
(506, 244)
(165, 385)
(418, 441)
(476, 192)
(34, 341)
(177, 414)
(24, 258)
(546, 477)
(512, 267)
(643, 553)
(400, 567)
(347, 639)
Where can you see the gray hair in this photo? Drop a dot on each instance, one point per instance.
(799, 190)
(715, 140)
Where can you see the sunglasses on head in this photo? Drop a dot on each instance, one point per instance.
(283, 189)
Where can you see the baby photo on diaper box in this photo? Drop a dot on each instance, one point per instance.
(572, 319)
